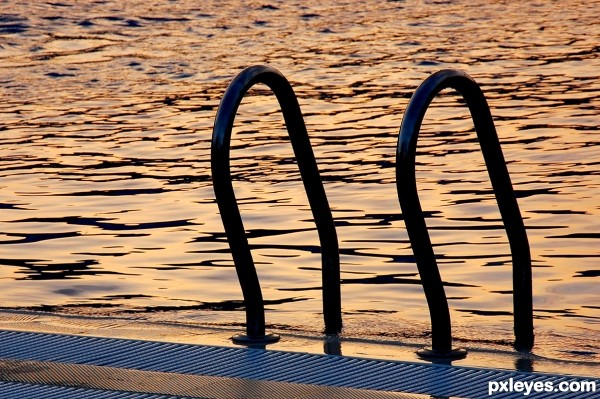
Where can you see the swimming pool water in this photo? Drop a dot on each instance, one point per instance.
(107, 206)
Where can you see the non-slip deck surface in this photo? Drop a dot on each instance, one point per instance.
(143, 384)
(65, 366)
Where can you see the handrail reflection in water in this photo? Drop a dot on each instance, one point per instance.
(230, 214)
(507, 203)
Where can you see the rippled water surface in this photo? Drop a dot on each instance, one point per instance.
(106, 203)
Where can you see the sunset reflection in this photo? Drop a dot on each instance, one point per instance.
(107, 206)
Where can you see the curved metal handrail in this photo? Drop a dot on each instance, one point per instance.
(230, 214)
(415, 222)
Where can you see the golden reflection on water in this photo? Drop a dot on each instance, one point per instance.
(107, 205)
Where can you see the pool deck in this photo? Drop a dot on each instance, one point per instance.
(48, 356)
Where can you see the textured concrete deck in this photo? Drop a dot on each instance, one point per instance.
(65, 366)
(69, 362)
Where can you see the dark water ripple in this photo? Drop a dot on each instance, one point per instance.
(105, 120)
(12, 24)
(102, 224)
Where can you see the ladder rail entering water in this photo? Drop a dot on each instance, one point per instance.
(230, 213)
(505, 197)
(407, 195)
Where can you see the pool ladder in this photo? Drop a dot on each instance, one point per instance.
(230, 213)
(441, 345)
